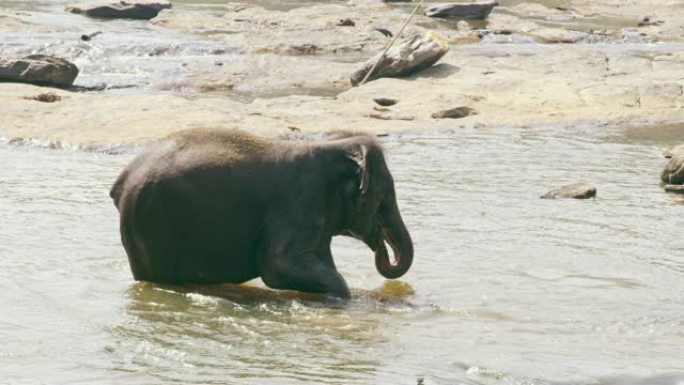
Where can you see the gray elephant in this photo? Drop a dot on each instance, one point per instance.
(220, 206)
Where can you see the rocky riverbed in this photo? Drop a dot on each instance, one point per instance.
(281, 71)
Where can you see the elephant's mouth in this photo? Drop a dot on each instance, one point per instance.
(373, 239)
(389, 229)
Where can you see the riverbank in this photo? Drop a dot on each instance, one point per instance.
(295, 66)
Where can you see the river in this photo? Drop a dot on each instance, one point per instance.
(506, 288)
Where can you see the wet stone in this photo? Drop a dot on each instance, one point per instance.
(673, 173)
(385, 102)
(39, 70)
(140, 10)
(472, 11)
(573, 191)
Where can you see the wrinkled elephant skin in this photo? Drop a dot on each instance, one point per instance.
(220, 206)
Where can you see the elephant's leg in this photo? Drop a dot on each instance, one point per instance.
(302, 269)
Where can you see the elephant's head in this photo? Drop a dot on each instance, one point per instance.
(366, 204)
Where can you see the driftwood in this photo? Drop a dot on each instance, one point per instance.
(412, 55)
(474, 11)
(38, 69)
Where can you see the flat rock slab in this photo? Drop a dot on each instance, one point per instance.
(472, 11)
(39, 70)
(139, 10)
(410, 56)
(574, 191)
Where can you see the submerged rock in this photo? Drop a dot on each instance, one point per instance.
(411, 55)
(141, 10)
(575, 191)
(673, 173)
(473, 11)
(39, 70)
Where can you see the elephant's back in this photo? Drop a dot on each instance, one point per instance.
(206, 147)
(190, 151)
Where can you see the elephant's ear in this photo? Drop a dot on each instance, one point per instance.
(359, 156)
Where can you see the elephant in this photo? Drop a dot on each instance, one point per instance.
(214, 206)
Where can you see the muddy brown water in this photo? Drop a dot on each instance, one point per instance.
(506, 288)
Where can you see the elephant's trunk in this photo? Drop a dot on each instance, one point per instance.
(395, 233)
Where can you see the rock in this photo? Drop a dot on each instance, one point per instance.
(385, 102)
(454, 113)
(674, 188)
(346, 23)
(90, 36)
(525, 27)
(38, 69)
(576, 191)
(473, 11)
(140, 10)
(254, 29)
(674, 150)
(411, 55)
(673, 173)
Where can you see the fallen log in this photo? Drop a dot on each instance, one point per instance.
(412, 55)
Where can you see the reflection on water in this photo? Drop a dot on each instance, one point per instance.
(248, 334)
(506, 288)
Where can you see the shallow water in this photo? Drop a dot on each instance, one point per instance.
(506, 288)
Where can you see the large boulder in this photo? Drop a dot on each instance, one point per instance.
(575, 191)
(38, 69)
(669, 152)
(411, 55)
(474, 11)
(673, 173)
(141, 10)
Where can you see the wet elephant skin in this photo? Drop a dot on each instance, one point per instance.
(223, 206)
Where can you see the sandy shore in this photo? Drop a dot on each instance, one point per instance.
(624, 75)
